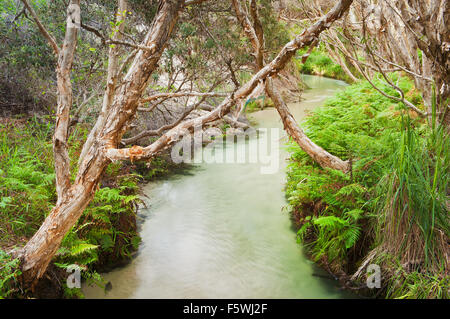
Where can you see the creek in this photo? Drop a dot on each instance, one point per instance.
(222, 230)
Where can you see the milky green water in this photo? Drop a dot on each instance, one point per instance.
(222, 232)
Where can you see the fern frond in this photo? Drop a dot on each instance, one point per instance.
(82, 248)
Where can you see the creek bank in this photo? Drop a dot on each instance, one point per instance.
(105, 237)
(320, 64)
(208, 234)
(342, 220)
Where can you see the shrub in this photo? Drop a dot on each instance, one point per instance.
(394, 201)
(9, 271)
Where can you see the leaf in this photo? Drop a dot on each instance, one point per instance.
(302, 231)
(351, 236)
(330, 222)
(355, 214)
(82, 248)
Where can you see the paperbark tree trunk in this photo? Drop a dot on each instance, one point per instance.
(318, 154)
(38, 252)
(255, 34)
(65, 97)
(102, 144)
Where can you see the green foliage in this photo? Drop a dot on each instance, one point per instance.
(106, 232)
(331, 210)
(335, 235)
(104, 235)
(394, 200)
(26, 181)
(276, 34)
(9, 272)
(156, 167)
(415, 190)
(356, 123)
(413, 222)
(416, 285)
(319, 63)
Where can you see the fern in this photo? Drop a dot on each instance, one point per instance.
(82, 248)
(355, 214)
(330, 222)
(357, 123)
(9, 271)
(302, 231)
(351, 236)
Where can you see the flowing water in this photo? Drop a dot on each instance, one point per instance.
(222, 232)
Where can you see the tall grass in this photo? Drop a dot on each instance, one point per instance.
(413, 208)
(413, 214)
(393, 209)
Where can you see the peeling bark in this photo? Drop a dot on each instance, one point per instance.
(318, 154)
(117, 112)
(38, 252)
(65, 97)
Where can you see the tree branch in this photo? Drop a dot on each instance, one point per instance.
(180, 94)
(115, 40)
(250, 31)
(275, 66)
(318, 154)
(159, 131)
(51, 40)
(193, 2)
(65, 101)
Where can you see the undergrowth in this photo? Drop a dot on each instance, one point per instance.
(319, 63)
(104, 236)
(392, 207)
(9, 272)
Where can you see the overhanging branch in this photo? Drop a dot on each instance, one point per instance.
(275, 66)
(51, 40)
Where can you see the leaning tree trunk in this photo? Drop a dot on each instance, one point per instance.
(256, 36)
(318, 154)
(38, 252)
(101, 145)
